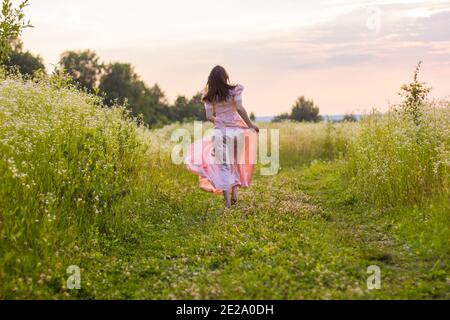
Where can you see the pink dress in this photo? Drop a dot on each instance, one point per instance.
(227, 157)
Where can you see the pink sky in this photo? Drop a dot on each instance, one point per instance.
(349, 56)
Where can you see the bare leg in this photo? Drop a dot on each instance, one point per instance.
(234, 195)
(227, 198)
(234, 190)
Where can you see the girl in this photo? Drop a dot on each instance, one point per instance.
(226, 159)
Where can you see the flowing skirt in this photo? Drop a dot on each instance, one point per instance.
(224, 159)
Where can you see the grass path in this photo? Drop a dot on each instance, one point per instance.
(295, 235)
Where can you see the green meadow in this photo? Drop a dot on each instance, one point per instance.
(88, 185)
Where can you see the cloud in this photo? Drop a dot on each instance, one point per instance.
(342, 53)
(345, 40)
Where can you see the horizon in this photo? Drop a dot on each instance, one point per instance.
(337, 116)
(348, 56)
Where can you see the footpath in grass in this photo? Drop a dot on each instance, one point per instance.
(296, 235)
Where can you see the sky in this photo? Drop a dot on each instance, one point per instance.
(348, 56)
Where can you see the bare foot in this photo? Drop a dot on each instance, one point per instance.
(227, 199)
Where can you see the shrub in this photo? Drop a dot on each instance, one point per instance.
(397, 159)
(65, 161)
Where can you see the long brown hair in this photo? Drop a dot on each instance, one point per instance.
(218, 86)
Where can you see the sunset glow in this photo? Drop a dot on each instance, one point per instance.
(349, 56)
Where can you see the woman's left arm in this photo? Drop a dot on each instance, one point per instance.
(243, 113)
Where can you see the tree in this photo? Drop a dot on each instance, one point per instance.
(120, 84)
(83, 66)
(185, 109)
(24, 61)
(180, 109)
(12, 23)
(414, 96)
(197, 108)
(282, 117)
(252, 116)
(305, 111)
(349, 117)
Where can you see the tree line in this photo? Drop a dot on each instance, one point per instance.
(116, 82)
(305, 110)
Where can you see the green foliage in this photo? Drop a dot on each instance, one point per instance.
(82, 184)
(299, 234)
(395, 161)
(65, 161)
(402, 157)
(349, 117)
(252, 116)
(84, 67)
(121, 85)
(303, 110)
(185, 109)
(301, 143)
(414, 97)
(117, 83)
(24, 61)
(12, 23)
(281, 117)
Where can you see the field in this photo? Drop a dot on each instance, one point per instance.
(84, 185)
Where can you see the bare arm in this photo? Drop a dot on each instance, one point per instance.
(243, 113)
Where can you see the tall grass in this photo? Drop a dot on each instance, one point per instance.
(397, 160)
(301, 143)
(65, 160)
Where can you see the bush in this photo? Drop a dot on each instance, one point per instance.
(397, 159)
(65, 161)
